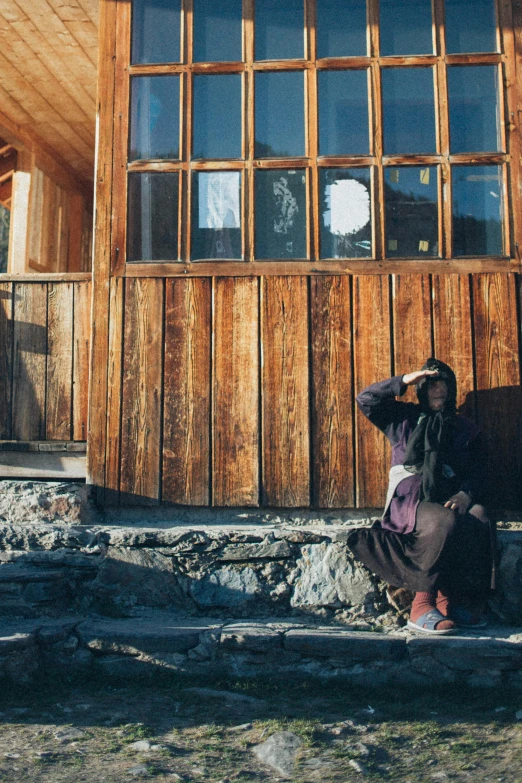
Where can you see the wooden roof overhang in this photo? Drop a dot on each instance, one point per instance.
(48, 73)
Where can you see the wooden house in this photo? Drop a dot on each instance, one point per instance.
(292, 200)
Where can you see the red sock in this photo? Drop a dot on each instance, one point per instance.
(442, 602)
(425, 602)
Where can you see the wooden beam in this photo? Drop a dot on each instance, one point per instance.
(6, 191)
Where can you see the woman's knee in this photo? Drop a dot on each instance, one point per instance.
(433, 516)
(479, 512)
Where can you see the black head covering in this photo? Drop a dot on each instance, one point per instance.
(429, 440)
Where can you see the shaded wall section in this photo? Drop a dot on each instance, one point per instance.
(241, 391)
(44, 359)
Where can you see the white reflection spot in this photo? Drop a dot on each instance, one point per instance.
(349, 206)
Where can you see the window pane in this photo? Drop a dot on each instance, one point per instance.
(156, 31)
(409, 110)
(411, 211)
(470, 26)
(477, 210)
(341, 28)
(5, 219)
(346, 224)
(154, 117)
(153, 217)
(217, 30)
(216, 215)
(405, 27)
(280, 214)
(473, 108)
(217, 116)
(279, 103)
(343, 113)
(279, 29)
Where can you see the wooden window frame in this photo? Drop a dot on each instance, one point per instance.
(505, 59)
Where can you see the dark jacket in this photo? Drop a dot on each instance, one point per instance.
(466, 455)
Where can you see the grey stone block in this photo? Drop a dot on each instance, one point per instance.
(114, 636)
(256, 638)
(276, 551)
(333, 643)
(122, 666)
(226, 587)
(329, 576)
(467, 654)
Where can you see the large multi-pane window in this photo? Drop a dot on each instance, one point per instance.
(314, 130)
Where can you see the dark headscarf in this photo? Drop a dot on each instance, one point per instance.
(429, 440)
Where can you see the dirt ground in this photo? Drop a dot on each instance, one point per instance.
(59, 732)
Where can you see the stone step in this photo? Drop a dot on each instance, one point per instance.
(275, 647)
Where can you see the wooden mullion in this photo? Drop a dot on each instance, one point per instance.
(249, 129)
(329, 161)
(281, 163)
(121, 138)
(156, 165)
(411, 160)
(485, 158)
(473, 59)
(188, 109)
(513, 146)
(224, 67)
(157, 69)
(217, 165)
(281, 65)
(444, 178)
(420, 61)
(375, 97)
(101, 267)
(342, 63)
(312, 132)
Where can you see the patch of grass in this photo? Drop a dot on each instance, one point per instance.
(136, 731)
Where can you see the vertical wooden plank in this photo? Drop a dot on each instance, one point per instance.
(29, 363)
(58, 405)
(82, 337)
(286, 437)
(186, 405)
(121, 133)
(20, 211)
(372, 363)
(235, 408)
(497, 360)
(142, 392)
(114, 394)
(74, 228)
(6, 347)
(452, 332)
(332, 392)
(412, 328)
(96, 450)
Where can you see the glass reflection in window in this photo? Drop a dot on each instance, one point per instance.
(156, 31)
(341, 28)
(153, 217)
(217, 30)
(470, 26)
(405, 28)
(346, 221)
(216, 215)
(280, 214)
(477, 210)
(343, 113)
(279, 29)
(217, 116)
(411, 211)
(154, 117)
(279, 110)
(409, 110)
(473, 108)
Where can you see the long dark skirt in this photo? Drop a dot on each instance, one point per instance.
(446, 551)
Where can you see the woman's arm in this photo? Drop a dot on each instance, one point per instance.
(378, 402)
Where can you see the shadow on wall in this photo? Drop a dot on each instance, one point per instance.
(498, 413)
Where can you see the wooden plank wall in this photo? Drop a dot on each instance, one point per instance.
(44, 360)
(241, 391)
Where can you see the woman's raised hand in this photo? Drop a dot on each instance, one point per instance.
(414, 377)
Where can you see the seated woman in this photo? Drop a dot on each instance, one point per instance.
(435, 537)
